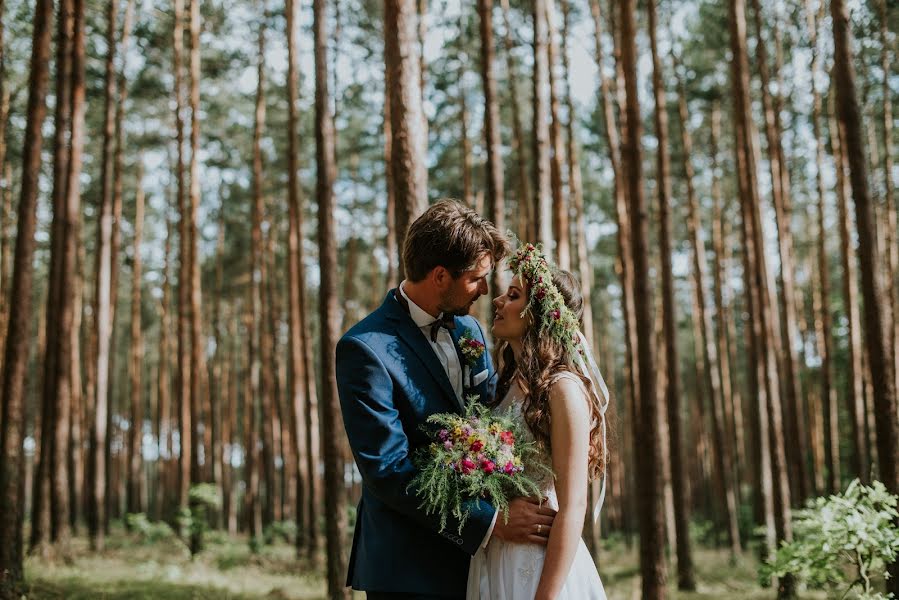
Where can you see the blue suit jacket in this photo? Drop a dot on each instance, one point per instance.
(390, 381)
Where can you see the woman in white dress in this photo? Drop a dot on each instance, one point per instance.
(549, 380)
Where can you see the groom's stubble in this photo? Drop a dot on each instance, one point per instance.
(457, 304)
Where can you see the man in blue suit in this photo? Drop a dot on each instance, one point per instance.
(395, 368)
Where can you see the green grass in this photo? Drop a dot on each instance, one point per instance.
(228, 570)
(716, 577)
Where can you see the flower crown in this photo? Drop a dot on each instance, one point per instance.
(545, 301)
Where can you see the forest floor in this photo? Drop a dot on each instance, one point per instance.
(130, 568)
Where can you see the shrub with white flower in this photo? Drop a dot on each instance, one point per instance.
(843, 541)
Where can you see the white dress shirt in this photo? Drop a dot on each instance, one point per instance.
(444, 347)
(445, 350)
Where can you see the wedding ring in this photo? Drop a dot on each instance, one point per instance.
(539, 529)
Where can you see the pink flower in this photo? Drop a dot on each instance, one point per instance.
(443, 435)
(509, 468)
(477, 445)
(556, 314)
(487, 466)
(507, 438)
(448, 445)
(467, 466)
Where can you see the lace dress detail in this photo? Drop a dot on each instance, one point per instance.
(505, 571)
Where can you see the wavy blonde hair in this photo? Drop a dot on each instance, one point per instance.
(542, 360)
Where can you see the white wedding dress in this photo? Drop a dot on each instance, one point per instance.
(506, 571)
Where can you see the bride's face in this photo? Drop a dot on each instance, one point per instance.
(508, 323)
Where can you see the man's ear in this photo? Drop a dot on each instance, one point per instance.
(440, 277)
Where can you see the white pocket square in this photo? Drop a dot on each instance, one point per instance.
(479, 378)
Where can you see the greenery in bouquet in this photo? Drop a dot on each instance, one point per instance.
(474, 457)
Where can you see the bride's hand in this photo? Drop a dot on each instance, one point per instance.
(529, 523)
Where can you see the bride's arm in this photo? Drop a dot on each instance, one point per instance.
(570, 436)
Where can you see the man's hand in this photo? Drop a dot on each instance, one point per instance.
(529, 523)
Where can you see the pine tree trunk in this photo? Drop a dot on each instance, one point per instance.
(113, 497)
(251, 505)
(266, 356)
(5, 184)
(467, 192)
(760, 284)
(523, 190)
(855, 392)
(390, 241)
(576, 187)
(166, 466)
(672, 393)
(197, 343)
(821, 302)
(255, 328)
(230, 377)
(760, 459)
(217, 389)
(77, 416)
(273, 410)
(892, 228)
(296, 377)
(561, 226)
(102, 302)
(12, 463)
(493, 141)
(729, 390)
(88, 336)
(5, 237)
(313, 455)
(884, 395)
(52, 393)
(797, 448)
(408, 135)
(135, 431)
(183, 306)
(540, 140)
(707, 345)
(421, 13)
(624, 262)
(646, 427)
(68, 433)
(335, 524)
(5, 196)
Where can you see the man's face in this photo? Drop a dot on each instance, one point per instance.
(460, 294)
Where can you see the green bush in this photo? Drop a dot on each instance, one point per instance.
(842, 541)
(193, 520)
(147, 531)
(283, 530)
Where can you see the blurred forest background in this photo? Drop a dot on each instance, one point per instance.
(199, 197)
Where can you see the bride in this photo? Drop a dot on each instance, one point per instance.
(549, 380)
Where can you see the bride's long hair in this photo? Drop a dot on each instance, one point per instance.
(542, 359)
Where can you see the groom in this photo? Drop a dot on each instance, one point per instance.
(395, 368)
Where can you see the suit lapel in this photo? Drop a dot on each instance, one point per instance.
(412, 336)
(455, 334)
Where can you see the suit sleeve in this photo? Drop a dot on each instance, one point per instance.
(381, 447)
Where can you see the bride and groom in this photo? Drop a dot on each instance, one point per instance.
(403, 363)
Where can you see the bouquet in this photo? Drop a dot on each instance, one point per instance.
(474, 456)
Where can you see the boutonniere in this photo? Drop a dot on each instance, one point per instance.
(471, 348)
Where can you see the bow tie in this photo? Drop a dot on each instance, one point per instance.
(446, 319)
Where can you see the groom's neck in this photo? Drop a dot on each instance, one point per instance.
(423, 294)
